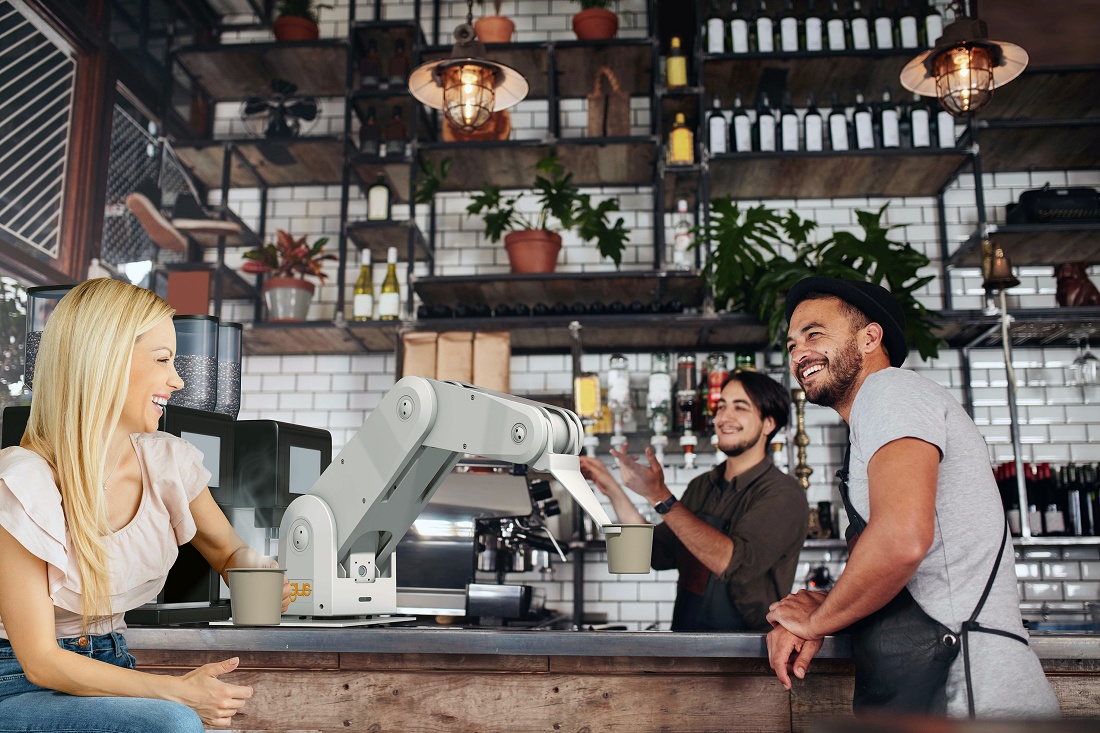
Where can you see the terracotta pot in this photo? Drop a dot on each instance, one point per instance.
(293, 28)
(494, 29)
(532, 250)
(595, 24)
(287, 298)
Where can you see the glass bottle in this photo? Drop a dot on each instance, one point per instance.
(788, 125)
(860, 27)
(715, 29)
(889, 122)
(741, 129)
(739, 29)
(396, 134)
(363, 299)
(618, 397)
(908, 28)
(920, 123)
(717, 129)
(836, 29)
(765, 126)
(378, 200)
(681, 143)
(933, 25)
(813, 126)
(884, 26)
(658, 402)
(863, 124)
(717, 373)
(389, 300)
(838, 126)
(370, 135)
(812, 28)
(681, 238)
(588, 404)
(788, 28)
(763, 27)
(745, 361)
(675, 66)
(370, 67)
(399, 64)
(945, 128)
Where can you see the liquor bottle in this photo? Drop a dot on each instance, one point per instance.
(863, 124)
(681, 143)
(1054, 516)
(860, 26)
(717, 372)
(718, 133)
(396, 134)
(741, 129)
(888, 122)
(788, 28)
(399, 64)
(389, 300)
(715, 29)
(744, 361)
(813, 27)
(370, 134)
(1010, 497)
(370, 67)
(618, 397)
(908, 29)
(362, 303)
(920, 123)
(765, 126)
(838, 126)
(933, 25)
(739, 29)
(945, 128)
(884, 26)
(378, 200)
(658, 402)
(1071, 490)
(836, 29)
(687, 403)
(676, 74)
(706, 417)
(788, 125)
(681, 238)
(763, 28)
(813, 126)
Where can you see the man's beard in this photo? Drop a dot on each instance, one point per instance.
(742, 445)
(840, 377)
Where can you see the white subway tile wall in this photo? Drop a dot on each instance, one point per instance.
(1059, 423)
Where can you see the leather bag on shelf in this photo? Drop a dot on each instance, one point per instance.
(608, 106)
(1048, 205)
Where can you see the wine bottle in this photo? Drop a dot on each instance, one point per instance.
(908, 29)
(675, 66)
(681, 143)
(717, 129)
(739, 29)
(920, 123)
(836, 29)
(763, 29)
(681, 238)
(863, 124)
(933, 25)
(389, 300)
(396, 134)
(370, 67)
(889, 122)
(884, 26)
(788, 125)
(813, 126)
(378, 200)
(1071, 490)
(812, 28)
(715, 29)
(370, 135)
(741, 129)
(399, 64)
(788, 28)
(1054, 516)
(860, 26)
(838, 126)
(945, 128)
(362, 303)
(765, 126)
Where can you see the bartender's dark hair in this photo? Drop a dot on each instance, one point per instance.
(766, 395)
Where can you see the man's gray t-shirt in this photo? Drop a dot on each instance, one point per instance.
(969, 524)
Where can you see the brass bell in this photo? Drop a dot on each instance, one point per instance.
(996, 268)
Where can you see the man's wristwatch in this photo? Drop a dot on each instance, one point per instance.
(663, 507)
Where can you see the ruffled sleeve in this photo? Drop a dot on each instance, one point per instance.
(30, 510)
(176, 475)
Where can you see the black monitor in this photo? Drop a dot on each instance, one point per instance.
(277, 462)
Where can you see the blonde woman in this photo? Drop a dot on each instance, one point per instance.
(93, 507)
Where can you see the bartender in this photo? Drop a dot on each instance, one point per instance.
(736, 534)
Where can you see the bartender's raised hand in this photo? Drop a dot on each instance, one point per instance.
(646, 481)
(598, 473)
(215, 701)
(789, 654)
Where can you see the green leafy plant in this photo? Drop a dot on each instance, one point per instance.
(496, 5)
(301, 9)
(561, 201)
(430, 178)
(289, 257)
(758, 253)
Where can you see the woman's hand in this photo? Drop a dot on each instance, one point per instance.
(270, 562)
(215, 701)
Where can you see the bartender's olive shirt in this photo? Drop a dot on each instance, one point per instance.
(768, 518)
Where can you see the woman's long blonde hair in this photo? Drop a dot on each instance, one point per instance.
(81, 377)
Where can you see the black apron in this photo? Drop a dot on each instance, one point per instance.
(712, 611)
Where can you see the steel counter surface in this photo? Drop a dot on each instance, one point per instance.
(412, 640)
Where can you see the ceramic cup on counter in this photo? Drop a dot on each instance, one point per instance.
(196, 362)
(256, 596)
(629, 547)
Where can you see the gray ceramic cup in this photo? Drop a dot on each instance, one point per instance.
(256, 596)
(629, 547)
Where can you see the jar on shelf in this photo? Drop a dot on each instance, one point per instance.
(229, 368)
(41, 302)
(196, 362)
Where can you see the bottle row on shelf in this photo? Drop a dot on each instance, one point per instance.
(540, 310)
(390, 72)
(1060, 503)
(389, 141)
(389, 299)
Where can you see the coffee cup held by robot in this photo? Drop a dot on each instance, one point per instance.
(629, 548)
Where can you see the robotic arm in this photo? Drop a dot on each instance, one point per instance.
(338, 541)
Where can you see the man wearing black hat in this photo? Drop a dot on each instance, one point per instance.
(929, 590)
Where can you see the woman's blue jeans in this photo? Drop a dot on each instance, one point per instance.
(25, 707)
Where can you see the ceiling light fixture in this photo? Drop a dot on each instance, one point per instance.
(467, 86)
(965, 66)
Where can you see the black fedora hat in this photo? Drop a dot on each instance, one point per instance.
(875, 301)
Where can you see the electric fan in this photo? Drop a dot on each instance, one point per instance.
(282, 114)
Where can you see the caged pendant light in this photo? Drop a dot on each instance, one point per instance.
(964, 67)
(467, 86)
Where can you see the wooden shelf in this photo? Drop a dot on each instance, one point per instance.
(378, 236)
(681, 182)
(1030, 327)
(319, 337)
(234, 286)
(1036, 244)
(631, 60)
(511, 289)
(685, 101)
(830, 175)
(511, 164)
(1008, 145)
(241, 70)
(302, 161)
(246, 237)
(395, 169)
(1044, 93)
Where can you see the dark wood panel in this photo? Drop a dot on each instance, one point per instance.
(1041, 93)
(562, 288)
(375, 335)
(309, 337)
(1030, 327)
(296, 162)
(444, 662)
(204, 161)
(379, 236)
(397, 172)
(239, 71)
(660, 665)
(1052, 33)
(1055, 147)
(681, 183)
(155, 658)
(1038, 244)
(577, 65)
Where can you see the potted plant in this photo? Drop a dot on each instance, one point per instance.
(533, 243)
(595, 22)
(494, 28)
(758, 253)
(297, 20)
(287, 262)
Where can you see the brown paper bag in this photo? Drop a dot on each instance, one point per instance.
(419, 360)
(608, 109)
(454, 356)
(493, 361)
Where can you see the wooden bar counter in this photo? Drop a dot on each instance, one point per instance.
(413, 679)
